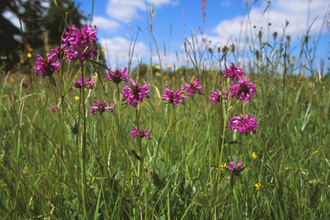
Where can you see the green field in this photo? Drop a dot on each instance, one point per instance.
(71, 164)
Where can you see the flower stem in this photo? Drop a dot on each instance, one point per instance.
(77, 151)
(139, 147)
(240, 139)
(118, 98)
(169, 142)
(223, 139)
(83, 155)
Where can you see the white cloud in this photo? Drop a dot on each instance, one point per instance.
(126, 10)
(118, 47)
(106, 24)
(225, 3)
(296, 12)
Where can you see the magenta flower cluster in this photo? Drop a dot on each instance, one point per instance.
(52, 109)
(101, 107)
(243, 124)
(193, 87)
(173, 97)
(135, 93)
(88, 81)
(78, 43)
(117, 76)
(233, 72)
(218, 96)
(141, 134)
(234, 169)
(243, 90)
(47, 66)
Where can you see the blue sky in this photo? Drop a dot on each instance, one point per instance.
(225, 20)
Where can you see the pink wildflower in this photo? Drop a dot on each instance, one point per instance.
(142, 133)
(117, 76)
(235, 169)
(47, 66)
(78, 43)
(101, 107)
(233, 72)
(52, 109)
(243, 91)
(243, 124)
(218, 96)
(88, 81)
(193, 87)
(173, 97)
(135, 93)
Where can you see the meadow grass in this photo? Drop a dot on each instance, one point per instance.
(51, 167)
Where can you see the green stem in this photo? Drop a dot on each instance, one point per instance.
(77, 151)
(140, 148)
(240, 139)
(169, 141)
(223, 140)
(118, 104)
(83, 155)
(191, 127)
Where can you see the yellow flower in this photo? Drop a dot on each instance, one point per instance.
(257, 185)
(181, 72)
(76, 98)
(30, 49)
(85, 89)
(168, 65)
(173, 78)
(223, 166)
(47, 54)
(102, 49)
(176, 68)
(254, 156)
(12, 80)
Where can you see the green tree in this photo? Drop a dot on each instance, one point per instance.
(8, 43)
(54, 20)
(32, 17)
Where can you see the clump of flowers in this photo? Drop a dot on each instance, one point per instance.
(88, 81)
(243, 124)
(141, 134)
(233, 72)
(235, 169)
(218, 96)
(257, 185)
(173, 97)
(57, 51)
(117, 76)
(243, 90)
(52, 109)
(78, 43)
(135, 93)
(101, 107)
(193, 87)
(47, 66)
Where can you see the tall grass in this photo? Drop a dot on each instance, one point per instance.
(69, 166)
